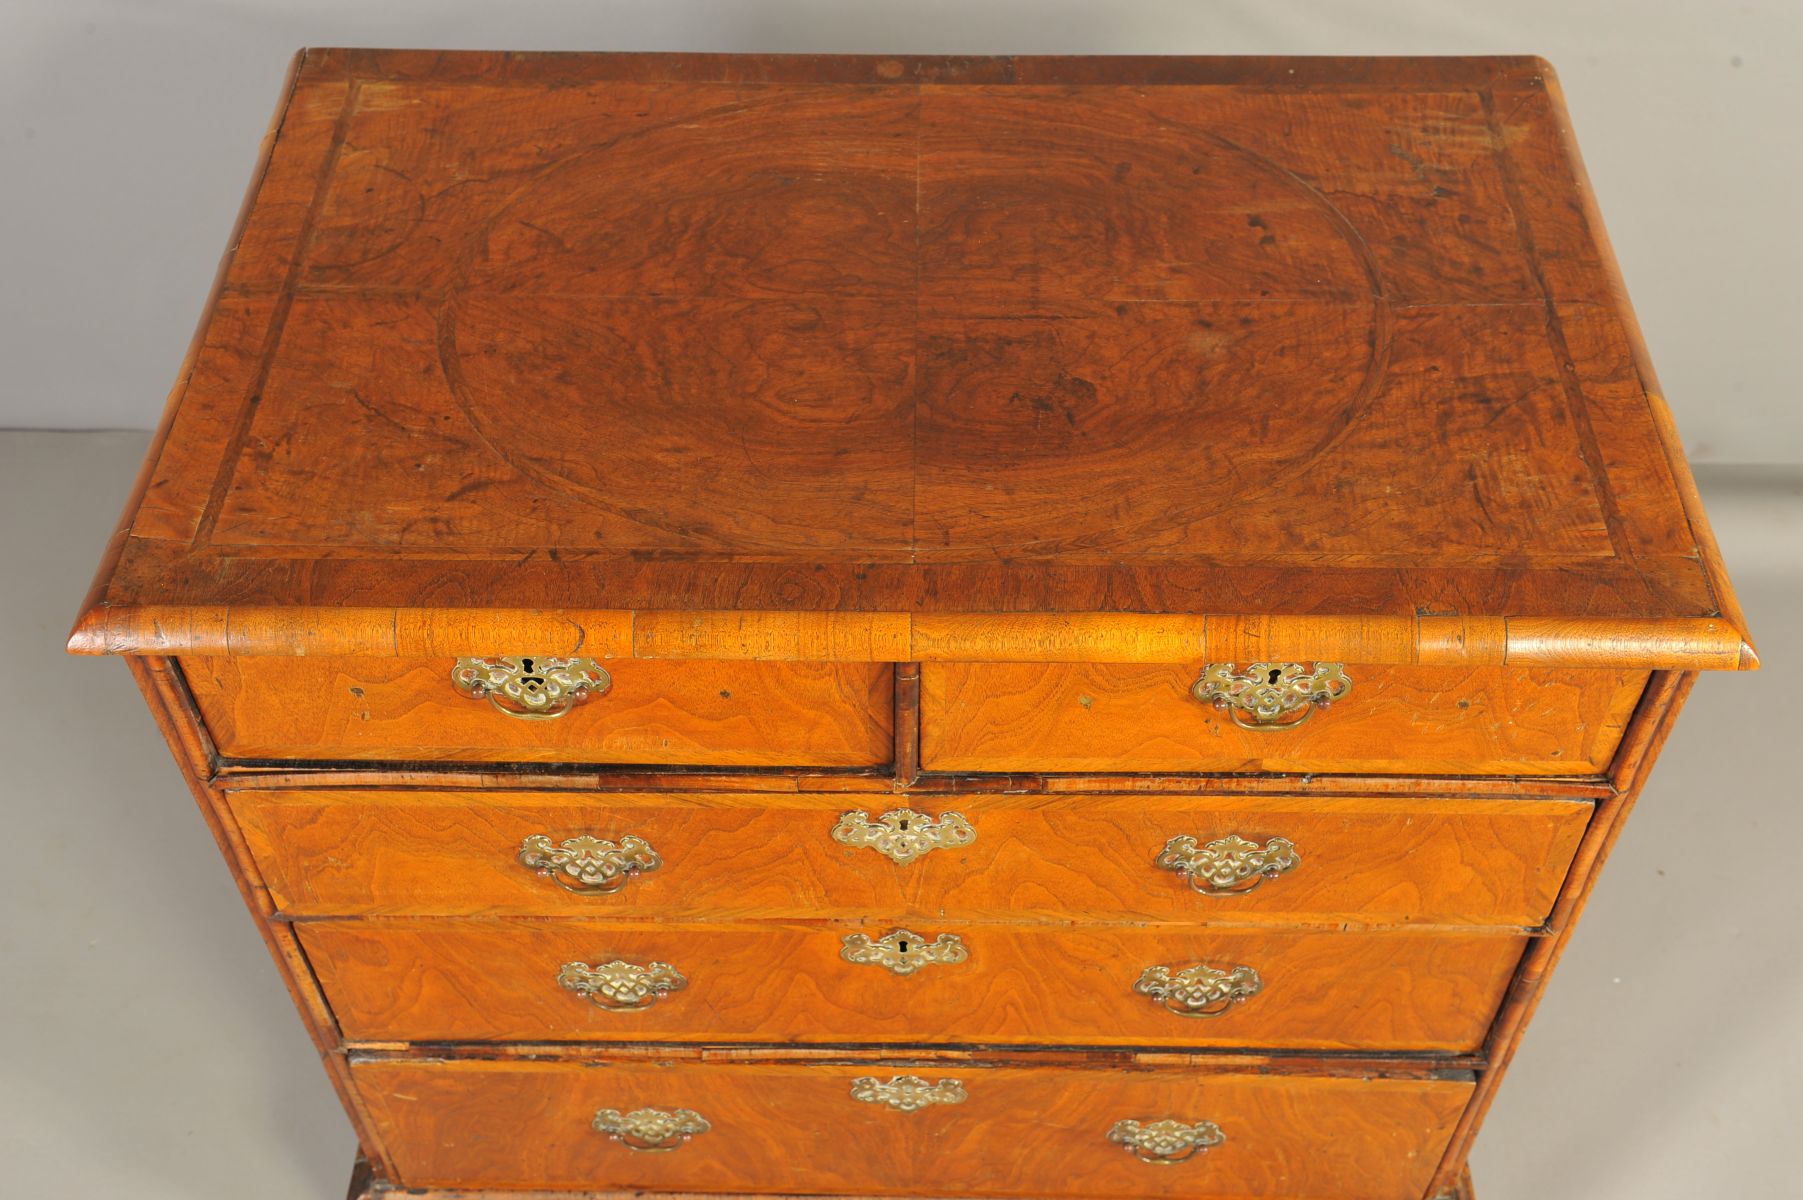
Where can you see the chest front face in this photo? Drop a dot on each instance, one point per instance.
(1060, 616)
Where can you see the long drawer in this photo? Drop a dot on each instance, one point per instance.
(884, 983)
(898, 1129)
(646, 711)
(1166, 858)
(1393, 720)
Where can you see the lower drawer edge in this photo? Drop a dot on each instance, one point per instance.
(903, 1128)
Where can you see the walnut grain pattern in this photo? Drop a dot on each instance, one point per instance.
(1364, 860)
(1421, 720)
(488, 980)
(710, 714)
(1021, 1131)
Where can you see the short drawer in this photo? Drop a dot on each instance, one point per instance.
(935, 983)
(956, 1129)
(1152, 857)
(653, 712)
(1392, 720)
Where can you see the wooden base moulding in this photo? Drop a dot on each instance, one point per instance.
(365, 1186)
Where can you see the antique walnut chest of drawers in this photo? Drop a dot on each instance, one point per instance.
(945, 627)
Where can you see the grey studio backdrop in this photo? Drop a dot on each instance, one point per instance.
(147, 1049)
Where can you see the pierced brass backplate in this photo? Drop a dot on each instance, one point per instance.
(620, 986)
(1201, 990)
(1166, 1143)
(650, 1129)
(589, 866)
(1227, 866)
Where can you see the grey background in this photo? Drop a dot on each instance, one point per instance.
(147, 1049)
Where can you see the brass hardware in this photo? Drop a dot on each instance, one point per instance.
(1270, 695)
(531, 688)
(589, 866)
(650, 1129)
(1201, 990)
(621, 986)
(1227, 866)
(903, 835)
(903, 951)
(1166, 1143)
(906, 1093)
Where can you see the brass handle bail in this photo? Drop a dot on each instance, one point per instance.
(650, 1129)
(1166, 1143)
(620, 986)
(1227, 866)
(589, 866)
(1200, 990)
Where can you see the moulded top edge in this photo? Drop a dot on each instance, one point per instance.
(1709, 643)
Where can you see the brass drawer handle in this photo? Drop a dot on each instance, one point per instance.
(1166, 1143)
(903, 951)
(1201, 990)
(1271, 695)
(533, 688)
(620, 986)
(907, 1093)
(589, 866)
(650, 1129)
(903, 835)
(1228, 866)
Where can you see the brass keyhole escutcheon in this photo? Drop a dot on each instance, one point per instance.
(530, 687)
(902, 835)
(1267, 696)
(902, 951)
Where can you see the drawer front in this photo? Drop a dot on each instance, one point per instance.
(1023, 1131)
(513, 980)
(1373, 860)
(683, 713)
(1394, 720)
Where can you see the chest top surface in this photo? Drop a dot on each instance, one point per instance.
(906, 339)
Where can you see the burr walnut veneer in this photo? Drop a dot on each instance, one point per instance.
(1041, 627)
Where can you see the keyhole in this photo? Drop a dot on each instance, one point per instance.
(1275, 672)
(526, 666)
(904, 825)
(902, 946)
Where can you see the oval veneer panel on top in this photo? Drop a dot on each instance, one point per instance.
(925, 339)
